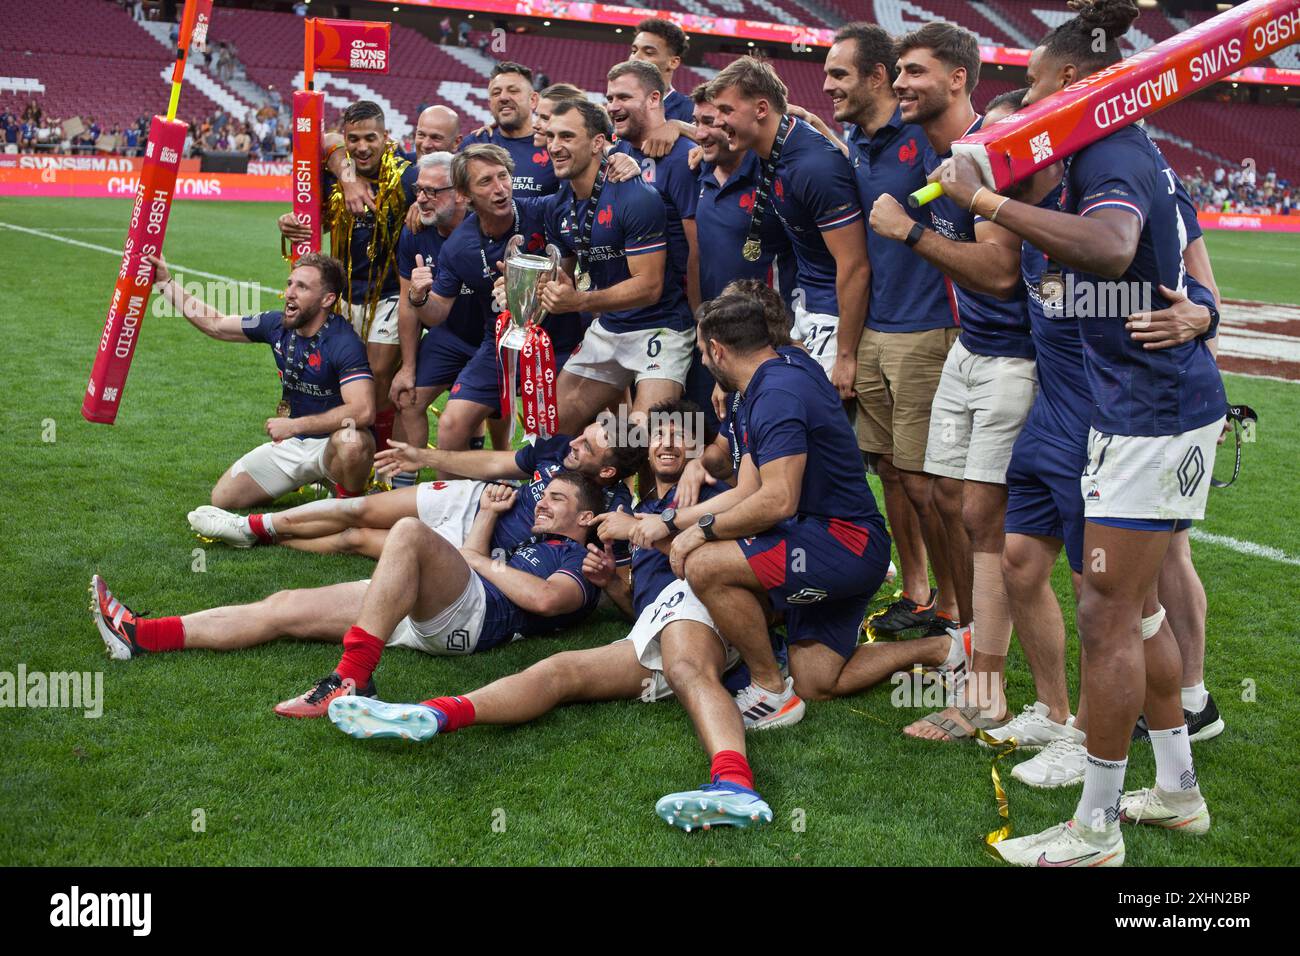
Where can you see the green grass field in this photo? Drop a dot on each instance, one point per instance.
(187, 732)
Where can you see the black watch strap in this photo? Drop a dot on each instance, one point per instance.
(706, 525)
(914, 236)
(670, 519)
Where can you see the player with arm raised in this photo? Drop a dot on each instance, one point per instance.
(320, 430)
(1156, 418)
(426, 595)
(809, 185)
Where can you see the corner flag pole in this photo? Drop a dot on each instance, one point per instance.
(308, 123)
(153, 202)
(1110, 99)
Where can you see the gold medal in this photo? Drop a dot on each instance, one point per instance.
(752, 250)
(282, 410)
(584, 282)
(1051, 289)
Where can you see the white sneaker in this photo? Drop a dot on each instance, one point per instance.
(1060, 764)
(212, 522)
(763, 709)
(1066, 844)
(1158, 808)
(956, 666)
(1031, 728)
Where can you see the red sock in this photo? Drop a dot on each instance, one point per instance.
(339, 492)
(383, 427)
(730, 766)
(256, 525)
(160, 633)
(459, 712)
(361, 653)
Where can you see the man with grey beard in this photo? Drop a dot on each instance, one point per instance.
(430, 364)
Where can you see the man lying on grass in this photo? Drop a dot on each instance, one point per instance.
(672, 649)
(360, 525)
(425, 594)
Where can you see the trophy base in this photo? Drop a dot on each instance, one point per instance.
(514, 338)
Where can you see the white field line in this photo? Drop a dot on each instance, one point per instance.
(1249, 548)
(117, 254)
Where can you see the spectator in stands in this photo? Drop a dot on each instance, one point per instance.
(464, 33)
(137, 10)
(300, 9)
(32, 113)
(131, 145)
(27, 136)
(10, 127)
(444, 29)
(243, 143)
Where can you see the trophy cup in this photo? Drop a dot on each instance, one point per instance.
(519, 334)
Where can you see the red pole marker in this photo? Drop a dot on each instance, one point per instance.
(153, 203)
(308, 114)
(1097, 105)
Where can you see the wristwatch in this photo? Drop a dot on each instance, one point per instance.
(706, 525)
(914, 236)
(411, 299)
(670, 518)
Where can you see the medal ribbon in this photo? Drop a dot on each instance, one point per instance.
(505, 376)
(587, 223)
(764, 195)
(490, 271)
(292, 374)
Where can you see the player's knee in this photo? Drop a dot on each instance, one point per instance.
(684, 671)
(814, 687)
(1017, 571)
(562, 673)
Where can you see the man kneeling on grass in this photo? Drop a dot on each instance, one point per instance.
(426, 594)
(672, 649)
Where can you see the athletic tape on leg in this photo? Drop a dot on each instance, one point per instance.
(1152, 624)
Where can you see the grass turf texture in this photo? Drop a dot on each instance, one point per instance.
(191, 731)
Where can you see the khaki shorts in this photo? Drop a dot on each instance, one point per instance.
(898, 373)
(979, 407)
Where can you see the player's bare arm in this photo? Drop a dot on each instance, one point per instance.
(692, 265)
(643, 286)
(1103, 243)
(478, 464)
(214, 324)
(852, 285)
(357, 410)
(989, 265)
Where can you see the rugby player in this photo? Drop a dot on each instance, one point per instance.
(673, 649)
(910, 323)
(365, 204)
(662, 44)
(800, 529)
(425, 594)
(626, 276)
(634, 98)
(361, 525)
(320, 430)
(512, 99)
(987, 383)
(1156, 418)
(809, 185)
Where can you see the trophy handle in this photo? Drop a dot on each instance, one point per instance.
(513, 245)
(553, 253)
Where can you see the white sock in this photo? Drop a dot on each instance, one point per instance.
(1173, 749)
(1195, 698)
(1103, 784)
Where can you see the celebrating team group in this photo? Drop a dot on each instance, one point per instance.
(748, 317)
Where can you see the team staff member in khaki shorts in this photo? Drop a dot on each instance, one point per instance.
(910, 322)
